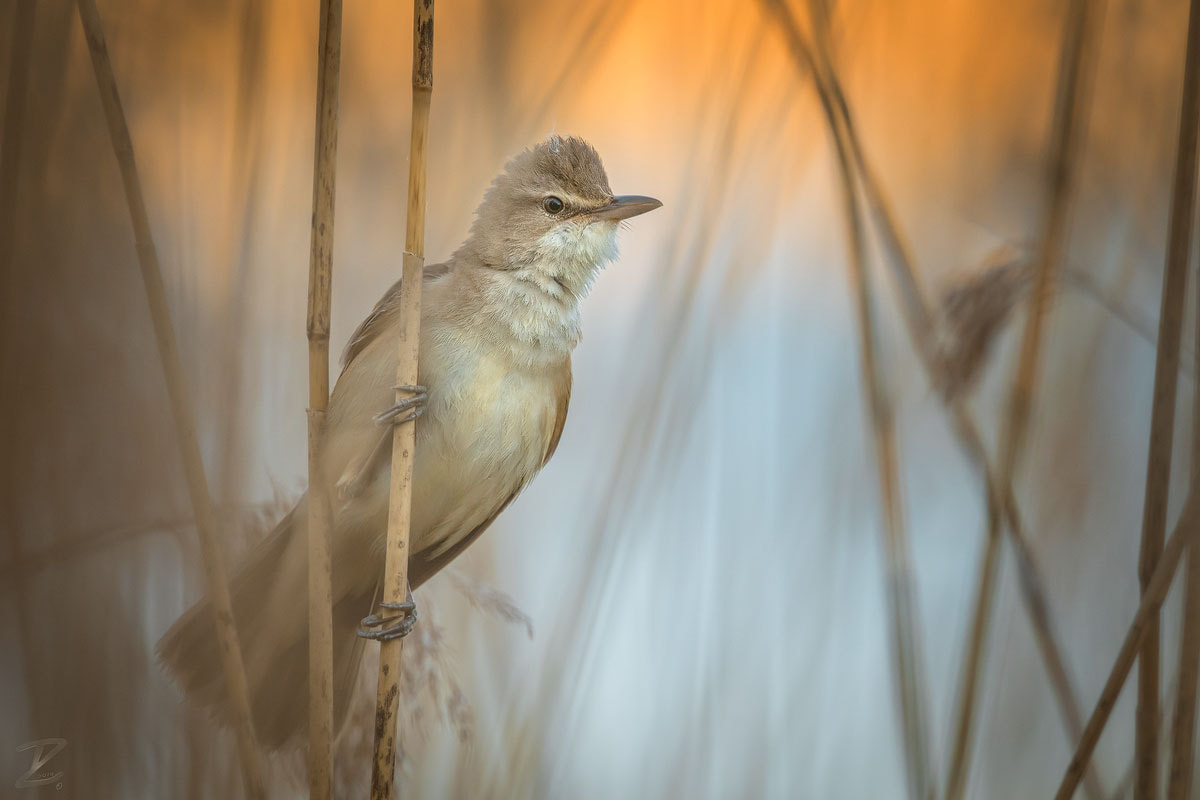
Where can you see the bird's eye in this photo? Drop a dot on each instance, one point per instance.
(553, 205)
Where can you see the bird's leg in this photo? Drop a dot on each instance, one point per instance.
(407, 409)
(394, 627)
(358, 473)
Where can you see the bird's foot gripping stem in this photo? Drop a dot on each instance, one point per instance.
(407, 409)
(396, 626)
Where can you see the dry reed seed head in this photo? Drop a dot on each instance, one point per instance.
(972, 315)
(485, 597)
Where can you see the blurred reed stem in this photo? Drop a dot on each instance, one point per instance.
(1183, 726)
(244, 180)
(900, 580)
(1000, 499)
(1065, 147)
(395, 576)
(1182, 770)
(1184, 535)
(1162, 418)
(10, 165)
(320, 278)
(218, 587)
(904, 620)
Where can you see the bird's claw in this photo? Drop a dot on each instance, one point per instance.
(392, 627)
(407, 409)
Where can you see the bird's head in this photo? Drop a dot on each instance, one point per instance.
(552, 210)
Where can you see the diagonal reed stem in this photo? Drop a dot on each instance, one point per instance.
(1183, 726)
(1073, 86)
(904, 621)
(1001, 501)
(320, 524)
(395, 574)
(1162, 418)
(1185, 534)
(185, 427)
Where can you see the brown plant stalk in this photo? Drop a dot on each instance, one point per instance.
(10, 164)
(1183, 726)
(904, 622)
(1000, 498)
(1162, 418)
(320, 277)
(1185, 534)
(900, 581)
(1001, 501)
(395, 574)
(1183, 731)
(1066, 136)
(185, 428)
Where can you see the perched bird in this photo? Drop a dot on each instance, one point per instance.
(498, 323)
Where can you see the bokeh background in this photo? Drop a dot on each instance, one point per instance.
(701, 564)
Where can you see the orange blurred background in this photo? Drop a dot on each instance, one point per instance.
(701, 561)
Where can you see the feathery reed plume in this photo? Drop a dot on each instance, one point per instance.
(395, 576)
(10, 164)
(904, 621)
(484, 597)
(1185, 534)
(320, 523)
(971, 317)
(185, 427)
(1162, 418)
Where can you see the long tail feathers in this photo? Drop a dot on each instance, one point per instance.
(268, 592)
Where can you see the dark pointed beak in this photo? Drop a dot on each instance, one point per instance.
(626, 206)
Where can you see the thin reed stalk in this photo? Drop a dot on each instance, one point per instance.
(395, 574)
(1065, 140)
(1162, 418)
(320, 277)
(168, 348)
(1187, 533)
(10, 164)
(1183, 726)
(904, 622)
(1000, 498)
(245, 181)
(1183, 731)
(1001, 501)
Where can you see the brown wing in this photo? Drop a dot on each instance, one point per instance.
(423, 564)
(560, 418)
(381, 315)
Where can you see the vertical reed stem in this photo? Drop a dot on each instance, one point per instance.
(1063, 160)
(904, 623)
(320, 277)
(395, 575)
(1162, 418)
(1187, 533)
(10, 187)
(168, 349)
(1183, 726)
